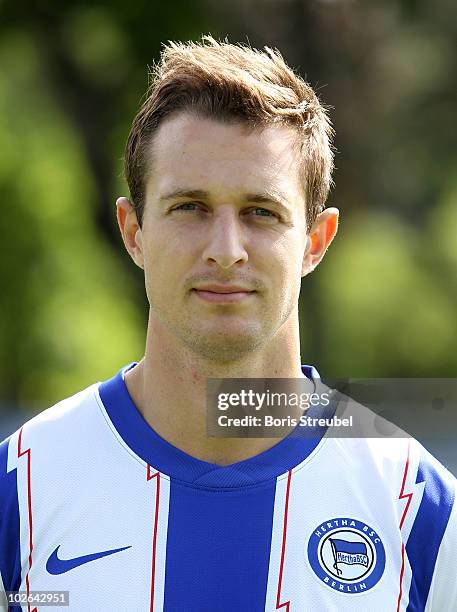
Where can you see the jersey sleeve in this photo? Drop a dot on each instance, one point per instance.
(432, 543)
(10, 556)
(443, 590)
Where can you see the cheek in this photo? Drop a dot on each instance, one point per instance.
(172, 239)
(287, 257)
(168, 259)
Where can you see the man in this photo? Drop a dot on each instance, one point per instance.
(117, 495)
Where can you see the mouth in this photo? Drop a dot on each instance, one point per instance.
(223, 293)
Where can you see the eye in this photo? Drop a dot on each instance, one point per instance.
(187, 206)
(262, 212)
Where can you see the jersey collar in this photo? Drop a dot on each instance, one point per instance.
(170, 460)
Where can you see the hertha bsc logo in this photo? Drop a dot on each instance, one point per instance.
(347, 555)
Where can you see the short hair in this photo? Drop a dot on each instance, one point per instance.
(233, 83)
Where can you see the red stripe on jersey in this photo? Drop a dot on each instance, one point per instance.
(21, 453)
(150, 476)
(286, 604)
(409, 497)
(402, 571)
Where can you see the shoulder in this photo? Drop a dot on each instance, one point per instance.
(64, 417)
(52, 437)
(390, 455)
(422, 495)
(47, 432)
(388, 449)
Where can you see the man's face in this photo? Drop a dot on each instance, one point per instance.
(224, 212)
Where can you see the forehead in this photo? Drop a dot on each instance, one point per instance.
(189, 150)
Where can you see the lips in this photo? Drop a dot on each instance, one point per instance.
(224, 289)
(223, 293)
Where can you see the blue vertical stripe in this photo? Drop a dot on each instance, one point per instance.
(218, 548)
(428, 530)
(10, 553)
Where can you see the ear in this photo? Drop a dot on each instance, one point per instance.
(130, 230)
(321, 235)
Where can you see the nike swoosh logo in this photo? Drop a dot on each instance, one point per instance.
(57, 566)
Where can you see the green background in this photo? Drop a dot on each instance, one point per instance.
(72, 305)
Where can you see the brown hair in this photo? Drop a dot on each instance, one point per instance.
(231, 82)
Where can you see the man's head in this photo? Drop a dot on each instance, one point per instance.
(229, 166)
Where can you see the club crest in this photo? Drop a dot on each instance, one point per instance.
(347, 555)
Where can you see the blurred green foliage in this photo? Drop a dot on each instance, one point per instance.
(72, 306)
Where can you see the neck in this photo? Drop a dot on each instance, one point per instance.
(168, 386)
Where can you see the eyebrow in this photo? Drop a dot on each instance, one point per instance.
(184, 193)
(255, 198)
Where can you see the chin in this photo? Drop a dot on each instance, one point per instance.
(227, 345)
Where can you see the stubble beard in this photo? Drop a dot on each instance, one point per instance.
(222, 345)
(215, 342)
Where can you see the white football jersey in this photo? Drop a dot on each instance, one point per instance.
(94, 502)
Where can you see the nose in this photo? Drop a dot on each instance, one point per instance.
(225, 240)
